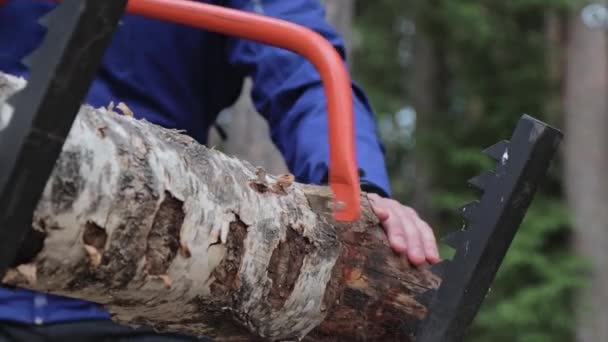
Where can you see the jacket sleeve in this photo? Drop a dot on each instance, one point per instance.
(289, 93)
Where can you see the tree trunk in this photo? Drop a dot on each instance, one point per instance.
(248, 135)
(340, 14)
(167, 233)
(425, 86)
(586, 141)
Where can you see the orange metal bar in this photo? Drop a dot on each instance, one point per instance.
(343, 172)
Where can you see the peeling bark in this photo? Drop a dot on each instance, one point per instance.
(167, 233)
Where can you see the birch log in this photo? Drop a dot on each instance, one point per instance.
(165, 232)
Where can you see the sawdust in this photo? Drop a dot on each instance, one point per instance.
(125, 109)
(22, 275)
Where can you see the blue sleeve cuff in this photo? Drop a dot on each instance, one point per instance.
(365, 185)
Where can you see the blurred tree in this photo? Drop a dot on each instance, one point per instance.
(340, 15)
(586, 106)
(427, 87)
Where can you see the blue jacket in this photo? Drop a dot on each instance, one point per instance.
(180, 77)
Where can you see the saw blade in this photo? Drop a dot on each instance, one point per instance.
(491, 224)
(37, 119)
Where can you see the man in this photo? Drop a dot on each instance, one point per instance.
(180, 77)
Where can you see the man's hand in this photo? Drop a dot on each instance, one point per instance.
(407, 233)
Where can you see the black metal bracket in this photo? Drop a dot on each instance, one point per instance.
(492, 223)
(41, 115)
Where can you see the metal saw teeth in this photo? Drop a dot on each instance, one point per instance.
(54, 22)
(34, 58)
(467, 211)
(457, 240)
(483, 181)
(498, 151)
(49, 21)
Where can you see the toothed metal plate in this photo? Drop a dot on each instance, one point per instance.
(506, 198)
(482, 181)
(62, 69)
(467, 212)
(498, 151)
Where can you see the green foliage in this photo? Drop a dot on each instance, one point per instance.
(493, 66)
(531, 301)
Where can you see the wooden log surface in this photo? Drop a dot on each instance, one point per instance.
(165, 232)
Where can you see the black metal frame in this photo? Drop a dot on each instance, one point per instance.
(61, 71)
(492, 223)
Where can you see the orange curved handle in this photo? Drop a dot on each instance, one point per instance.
(343, 172)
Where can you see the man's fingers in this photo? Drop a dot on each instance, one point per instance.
(429, 241)
(395, 232)
(407, 233)
(382, 208)
(416, 252)
(380, 212)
